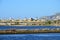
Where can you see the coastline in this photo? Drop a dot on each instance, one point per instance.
(31, 25)
(28, 31)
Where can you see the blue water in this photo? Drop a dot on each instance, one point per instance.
(41, 36)
(47, 36)
(27, 27)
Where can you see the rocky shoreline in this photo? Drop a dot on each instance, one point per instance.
(16, 31)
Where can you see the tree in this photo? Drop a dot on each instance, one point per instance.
(49, 22)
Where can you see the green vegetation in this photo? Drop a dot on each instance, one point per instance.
(51, 23)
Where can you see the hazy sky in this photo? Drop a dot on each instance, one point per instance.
(28, 8)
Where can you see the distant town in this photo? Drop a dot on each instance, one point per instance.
(53, 20)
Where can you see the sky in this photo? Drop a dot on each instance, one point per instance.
(28, 8)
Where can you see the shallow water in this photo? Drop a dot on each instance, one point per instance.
(27, 27)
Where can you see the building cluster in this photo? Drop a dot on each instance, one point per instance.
(53, 20)
(24, 22)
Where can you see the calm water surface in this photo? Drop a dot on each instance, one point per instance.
(45, 36)
(27, 27)
(48, 36)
